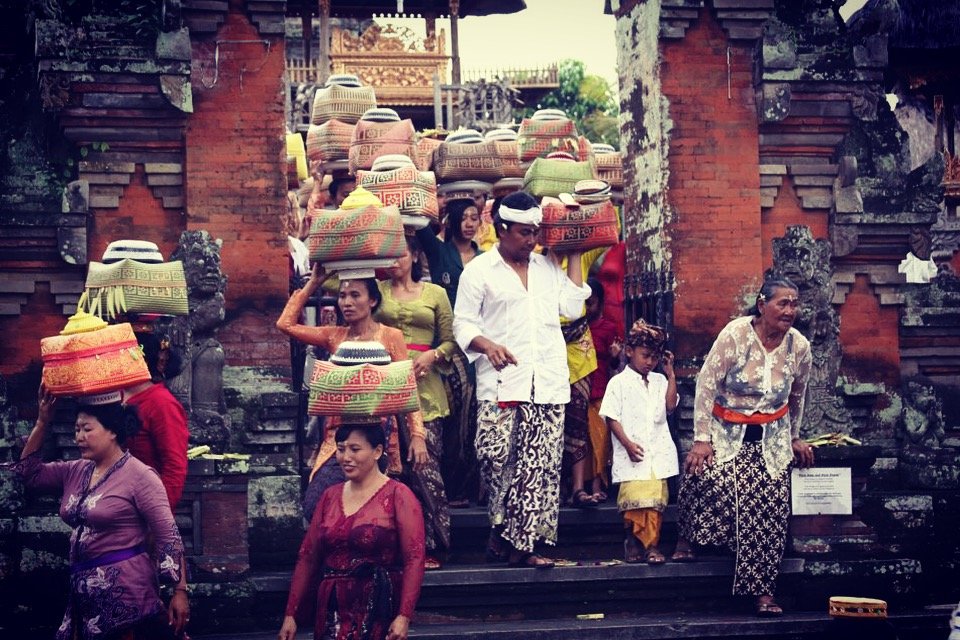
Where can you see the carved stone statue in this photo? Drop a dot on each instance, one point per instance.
(486, 105)
(200, 386)
(922, 415)
(806, 262)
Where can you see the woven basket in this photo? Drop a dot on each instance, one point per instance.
(363, 390)
(468, 161)
(129, 286)
(329, 141)
(588, 226)
(426, 147)
(92, 362)
(364, 233)
(346, 104)
(374, 139)
(553, 177)
(610, 168)
(412, 191)
(509, 156)
(537, 138)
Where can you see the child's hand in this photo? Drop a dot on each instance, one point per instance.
(616, 347)
(667, 363)
(634, 450)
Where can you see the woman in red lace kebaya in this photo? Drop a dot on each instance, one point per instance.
(361, 563)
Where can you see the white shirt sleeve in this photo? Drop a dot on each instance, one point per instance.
(467, 322)
(572, 297)
(611, 405)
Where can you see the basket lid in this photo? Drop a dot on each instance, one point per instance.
(343, 80)
(464, 136)
(501, 135)
(857, 607)
(550, 114)
(391, 161)
(139, 250)
(354, 352)
(601, 148)
(360, 198)
(82, 322)
(380, 114)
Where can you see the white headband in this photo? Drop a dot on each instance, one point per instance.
(533, 215)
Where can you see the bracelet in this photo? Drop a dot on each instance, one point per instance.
(438, 354)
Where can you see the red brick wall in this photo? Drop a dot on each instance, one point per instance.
(869, 335)
(714, 180)
(140, 216)
(236, 182)
(786, 211)
(20, 335)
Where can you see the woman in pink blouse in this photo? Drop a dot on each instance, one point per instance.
(114, 503)
(361, 563)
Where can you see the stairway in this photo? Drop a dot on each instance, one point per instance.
(593, 594)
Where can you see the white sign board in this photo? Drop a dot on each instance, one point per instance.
(825, 491)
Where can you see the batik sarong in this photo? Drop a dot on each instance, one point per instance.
(459, 462)
(737, 504)
(427, 484)
(520, 449)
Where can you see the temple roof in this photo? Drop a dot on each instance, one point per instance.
(411, 8)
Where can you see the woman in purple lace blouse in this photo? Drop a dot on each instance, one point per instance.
(114, 504)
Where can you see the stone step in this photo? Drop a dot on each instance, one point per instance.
(929, 622)
(490, 592)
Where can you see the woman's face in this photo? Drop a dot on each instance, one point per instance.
(356, 457)
(354, 301)
(470, 223)
(95, 441)
(780, 311)
(403, 265)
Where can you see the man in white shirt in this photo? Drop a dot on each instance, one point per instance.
(507, 320)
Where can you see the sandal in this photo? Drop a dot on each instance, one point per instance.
(430, 563)
(768, 609)
(583, 500)
(653, 556)
(600, 497)
(632, 553)
(532, 560)
(458, 504)
(683, 555)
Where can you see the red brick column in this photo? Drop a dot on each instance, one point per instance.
(236, 180)
(714, 184)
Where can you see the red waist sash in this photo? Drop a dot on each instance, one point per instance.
(729, 415)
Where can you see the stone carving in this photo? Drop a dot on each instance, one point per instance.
(486, 105)
(806, 262)
(922, 415)
(200, 386)
(389, 38)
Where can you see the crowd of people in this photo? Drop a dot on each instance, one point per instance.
(530, 395)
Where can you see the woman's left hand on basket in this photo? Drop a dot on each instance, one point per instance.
(399, 628)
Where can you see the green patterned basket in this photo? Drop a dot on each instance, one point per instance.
(365, 233)
(129, 286)
(363, 390)
(547, 177)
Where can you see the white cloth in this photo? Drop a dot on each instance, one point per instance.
(641, 409)
(917, 271)
(300, 256)
(740, 374)
(533, 215)
(491, 302)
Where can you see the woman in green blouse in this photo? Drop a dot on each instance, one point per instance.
(422, 312)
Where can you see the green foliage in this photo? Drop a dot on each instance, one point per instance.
(588, 100)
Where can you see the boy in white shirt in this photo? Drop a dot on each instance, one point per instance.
(635, 405)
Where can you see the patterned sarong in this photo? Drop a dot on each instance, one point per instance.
(738, 505)
(520, 449)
